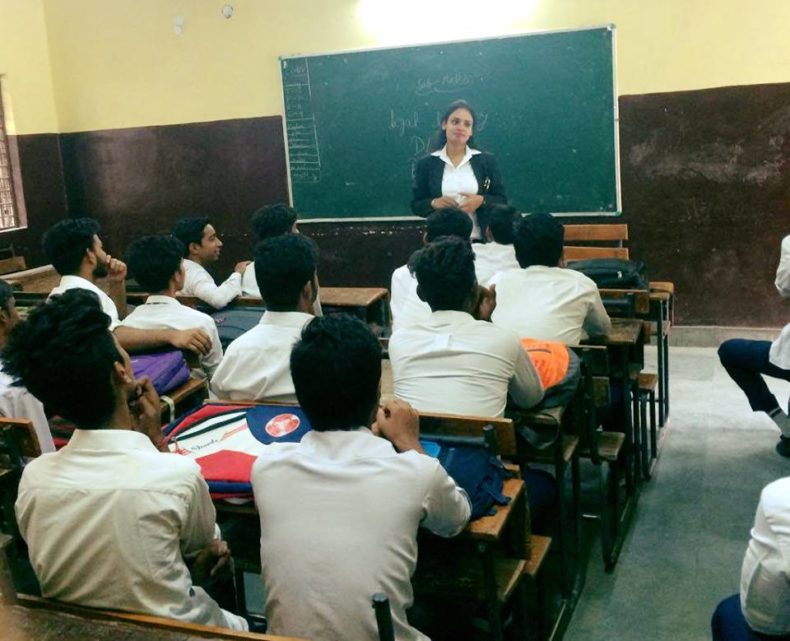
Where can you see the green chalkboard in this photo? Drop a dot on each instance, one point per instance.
(357, 122)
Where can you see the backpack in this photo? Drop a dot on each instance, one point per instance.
(167, 370)
(234, 321)
(613, 273)
(478, 472)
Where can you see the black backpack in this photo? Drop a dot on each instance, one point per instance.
(613, 273)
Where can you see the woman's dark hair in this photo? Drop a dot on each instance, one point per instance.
(501, 222)
(538, 240)
(154, 260)
(273, 220)
(66, 242)
(336, 368)
(445, 272)
(64, 354)
(283, 265)
(440, 137)
(190, 230)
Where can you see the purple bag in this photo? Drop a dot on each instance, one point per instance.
(167, 370)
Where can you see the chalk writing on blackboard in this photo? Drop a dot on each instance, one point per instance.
(303, 153)
(447, 83)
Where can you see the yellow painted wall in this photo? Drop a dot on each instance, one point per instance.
(118, 63)
(29, 104)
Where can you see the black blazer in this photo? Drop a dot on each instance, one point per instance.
(427, 184)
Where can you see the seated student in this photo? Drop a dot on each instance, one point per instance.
(456, 362)
(76, 252)
(498, 253)
(256, 365)
(747, 361)
(110, 520)
(407, 308)
(542, 300)
(15, 401)
(201, 248)
(340, 510)
(762, 609)
(267, 222)
(157, 265)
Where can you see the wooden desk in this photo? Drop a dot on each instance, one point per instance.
(370, 304)
(39, 280)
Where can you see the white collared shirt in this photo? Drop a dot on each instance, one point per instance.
(165, 312)
(458, 365)
(249, 287)
(492, 258)
(339, 517)
(765, 575)
(199, 283)
(78, 282)
(109, 520)
(779, 353)
(549, 304)
(405, 306)
(460, 180)
(257, 365)
(18, 402)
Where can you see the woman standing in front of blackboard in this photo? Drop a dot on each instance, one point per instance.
(456, 174)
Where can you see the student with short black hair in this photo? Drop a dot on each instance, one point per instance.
(340, 510)
(110, 520)
(156, 263)
(15, 400)
(407, 308)
(202, 248)
(270, 221)
(256, 364)
(456, 362)
(497, 254)
(543, 300)
(75, 250)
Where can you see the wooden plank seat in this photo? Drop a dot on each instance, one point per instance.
(11, 265)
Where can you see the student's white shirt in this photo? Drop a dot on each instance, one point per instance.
(779, 353)
(405, 306)
(460, 180)
(765, 575)
(249, 287)
(199, 283)
(459, 365)
(17, 402)
(492, 258)
(77, 282)
(550, 304)
(339, 517)
(257, 365)
(109, 520)
(165, 312)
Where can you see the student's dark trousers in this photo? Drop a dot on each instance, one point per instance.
(746, 361)
(728, 624)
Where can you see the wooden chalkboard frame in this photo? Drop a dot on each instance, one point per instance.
(356, 219)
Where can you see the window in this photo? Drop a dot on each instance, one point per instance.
(9, 214)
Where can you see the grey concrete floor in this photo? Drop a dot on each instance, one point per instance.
(684, 551)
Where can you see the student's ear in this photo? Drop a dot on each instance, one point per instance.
(193, 248)
(489, 235)
(122, 376)
(424, 238)
(179, 277)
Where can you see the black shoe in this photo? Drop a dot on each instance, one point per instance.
(783, 446)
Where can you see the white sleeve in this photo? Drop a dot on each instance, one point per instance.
(447, 507)
(783, 271)
(525, 387)
(398, 293)
(199, 527)
(211, 361)
(17, 402)
(597, 321)
(202, 286)
(249, 283)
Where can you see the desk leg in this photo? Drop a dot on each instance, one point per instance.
(492, 599)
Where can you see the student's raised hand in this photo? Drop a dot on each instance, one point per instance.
(399, 423)
(443, 201)
(486, 302)
(194, 340)
(472, 202)
(146, 412)
(213, 562)
(116, 269)
(240, 267)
